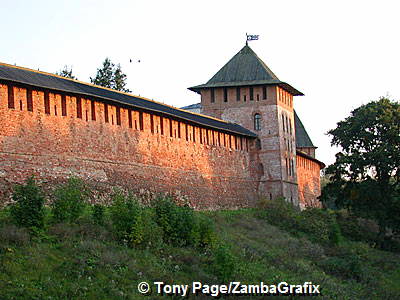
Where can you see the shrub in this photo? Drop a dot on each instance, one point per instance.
(224, 262)
(134, 224)
(145, 231)
(70, 200)
(98, 211)
(281, 213)
(178, 223)
(352, 229)
(124, 212)
(320, 225)
(204, 231)
(28, 210)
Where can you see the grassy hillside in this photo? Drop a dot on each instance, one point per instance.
(88, 258)
(86, 261)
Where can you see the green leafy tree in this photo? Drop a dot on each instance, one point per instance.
(66, 72)
(365, 176)
(110, 76)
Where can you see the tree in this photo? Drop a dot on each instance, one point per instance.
(366, 174)
(110, 76)
(66, 72)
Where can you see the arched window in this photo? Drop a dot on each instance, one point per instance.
(257, 122)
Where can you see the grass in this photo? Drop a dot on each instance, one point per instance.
(87, 261)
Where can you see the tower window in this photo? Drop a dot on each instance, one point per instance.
(212, 96)
(225, 95)
(251, 94)
(257, 122)
(244, 98)
(264, 91)
(238, 94)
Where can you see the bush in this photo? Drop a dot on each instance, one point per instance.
(352, 229)
(224, 262)
(281, 213)
(70, 200)
(320, 225)
(98, 211)
(134, 224)
(178, 223)
(28, 210)
(204, 231)
(346, 267)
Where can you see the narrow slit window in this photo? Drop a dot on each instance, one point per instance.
(151, 123)
(170, 128)
(264, 92)
(106, 113)
(11, 103)
(47, 103)
(201, 135)
(238, 94)
(225, 95)
(179, 130)
(79, 107)
(55, 110)
(162, 125)
(194, 134)
(141, 125)
(244, 98)
(219, 139)
(129, 118)
(251, 94)
(29, 101)
(63, 105)
(186, 132)
(93, 110)
(20, 105)
(118, 114)
(212, 95)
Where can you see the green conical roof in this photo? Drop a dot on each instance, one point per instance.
(245, 69)
(302, 138)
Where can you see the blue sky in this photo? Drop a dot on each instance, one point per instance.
(340, 54)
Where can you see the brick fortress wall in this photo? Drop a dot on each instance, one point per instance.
(54, 136)
(308, 176)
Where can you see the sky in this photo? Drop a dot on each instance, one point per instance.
(340, 54)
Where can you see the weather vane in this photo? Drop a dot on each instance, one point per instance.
(251, 37)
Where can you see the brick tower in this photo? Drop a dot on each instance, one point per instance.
(245, 91)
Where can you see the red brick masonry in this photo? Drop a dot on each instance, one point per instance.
(55, 136)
